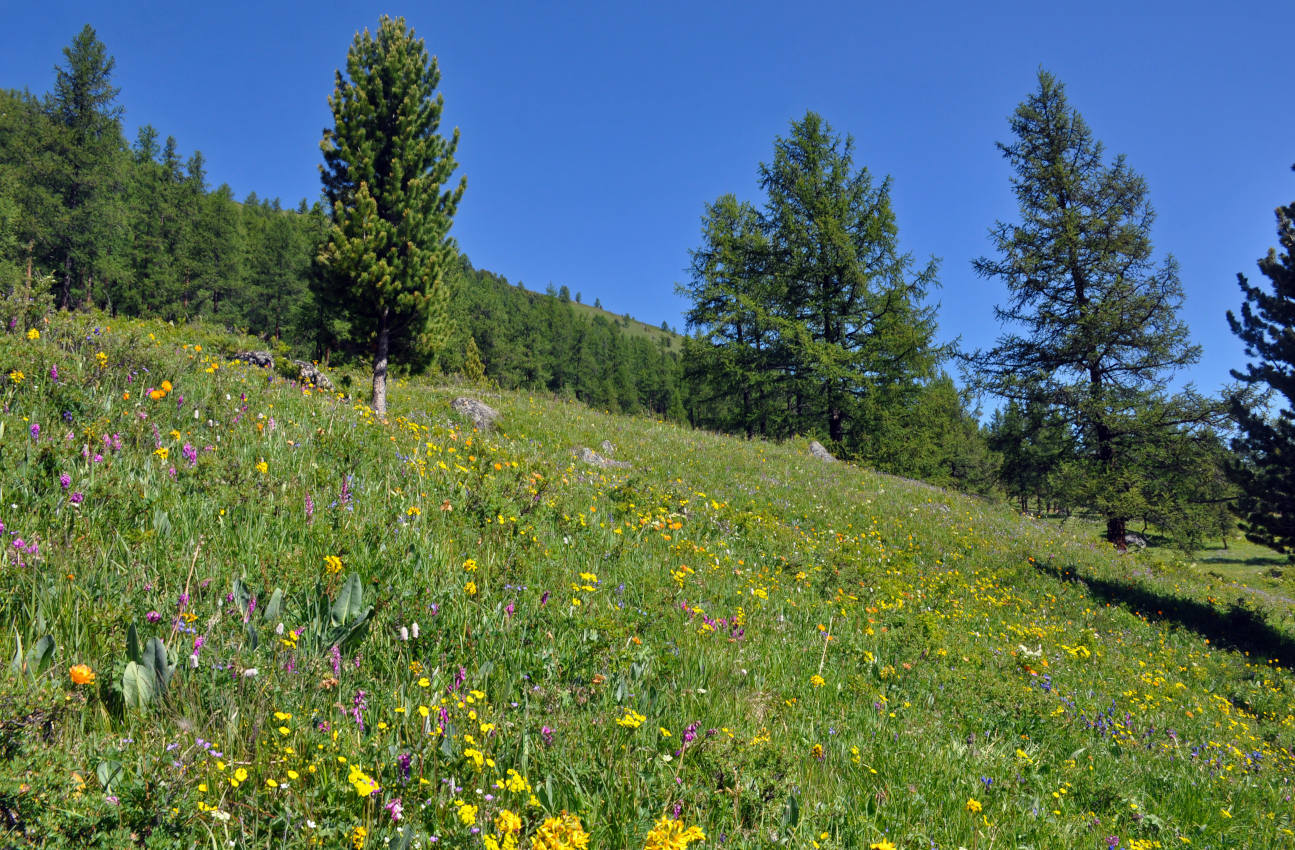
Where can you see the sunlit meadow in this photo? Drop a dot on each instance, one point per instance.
(246, 613)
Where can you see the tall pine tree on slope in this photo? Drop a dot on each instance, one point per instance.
(386, 258)
(1267, 442)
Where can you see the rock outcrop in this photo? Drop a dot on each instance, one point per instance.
(264, 359)
(481, 415)
(310, 374)
(817, 450)
(592, 458)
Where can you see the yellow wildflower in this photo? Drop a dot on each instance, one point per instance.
(669, 834)
(561, 833)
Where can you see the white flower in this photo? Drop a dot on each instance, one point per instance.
(278, 630)
(250, 672)
(404, 633)
(413, 630)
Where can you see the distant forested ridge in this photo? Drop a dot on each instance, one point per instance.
(529, 340)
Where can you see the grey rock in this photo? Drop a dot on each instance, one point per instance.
(816, 449)
(592, 458)
(481, 415)
(264, 359)
(310, 374)
(1135, 541)
(607, 447)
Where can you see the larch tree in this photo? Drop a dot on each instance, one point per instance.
(806, 317)
(849, 303)
(1091, 324)
(385, 261)
(1266, 445)
(91, 152)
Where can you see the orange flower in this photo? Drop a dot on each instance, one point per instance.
(166, 386)
(81, 674)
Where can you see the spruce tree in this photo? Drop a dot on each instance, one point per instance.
(1266, 445)
(388, 252)
(1096, 335)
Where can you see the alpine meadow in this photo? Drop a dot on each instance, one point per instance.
(315, 534)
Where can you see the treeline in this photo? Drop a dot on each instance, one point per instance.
(135, 229)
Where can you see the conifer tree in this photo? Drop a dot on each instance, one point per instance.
(807, 317)
(388, 252)
(1098, 336)
(1266, 446)
(91, 151)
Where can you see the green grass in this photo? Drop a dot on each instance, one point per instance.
(821, 656)
(633, 327)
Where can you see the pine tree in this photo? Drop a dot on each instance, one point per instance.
(1100, 337)
(388, 252)
(1266, 445)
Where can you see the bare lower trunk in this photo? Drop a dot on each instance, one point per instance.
(1115, 532)
(66, 301)
(380, 367)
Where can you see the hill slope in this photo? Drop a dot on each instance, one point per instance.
(728, 635)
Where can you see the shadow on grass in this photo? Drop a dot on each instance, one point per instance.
(1221, 560)
(1237, 627)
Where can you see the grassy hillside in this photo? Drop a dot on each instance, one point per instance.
(405, 630)
(670, 340)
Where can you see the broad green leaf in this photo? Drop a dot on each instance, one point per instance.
(138, 687)
(274, 608)
(132, 643)
(350, 600)
(40, 656)
(157, 660)
(108, 772)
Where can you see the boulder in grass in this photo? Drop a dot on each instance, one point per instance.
(481, 415)
(311, 374)
(607, 447)
(592, 458)
(264, 359)
(816, 449)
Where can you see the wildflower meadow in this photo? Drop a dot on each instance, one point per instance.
(243, 612)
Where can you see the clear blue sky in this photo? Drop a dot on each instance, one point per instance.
(593, 133)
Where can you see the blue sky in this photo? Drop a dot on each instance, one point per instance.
(594, 133)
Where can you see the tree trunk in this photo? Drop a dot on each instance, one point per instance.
(67, 284)
(380, 366)
(1115, 533)
(835, 423)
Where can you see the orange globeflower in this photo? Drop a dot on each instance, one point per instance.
(81, 674)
